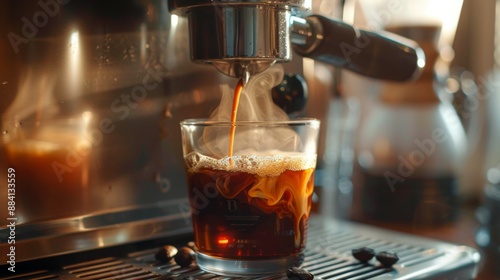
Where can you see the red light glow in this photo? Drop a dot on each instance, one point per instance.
(223, 241)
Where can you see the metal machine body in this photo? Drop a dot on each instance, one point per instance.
(248, 36)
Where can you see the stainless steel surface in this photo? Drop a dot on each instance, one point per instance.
(184, 5)
(238, 36)
(328, 256)
(301, 34)
(99, 230)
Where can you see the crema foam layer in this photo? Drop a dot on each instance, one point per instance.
(270, 164)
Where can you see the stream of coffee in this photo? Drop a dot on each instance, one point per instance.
(234, 112)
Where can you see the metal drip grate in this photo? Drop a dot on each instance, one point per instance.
(109, 268)
(328, 256)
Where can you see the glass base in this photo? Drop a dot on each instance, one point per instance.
(247, 267)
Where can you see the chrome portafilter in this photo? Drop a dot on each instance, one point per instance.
(245, 37)
(238, 36)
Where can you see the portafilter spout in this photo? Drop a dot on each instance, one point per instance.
(245, 37)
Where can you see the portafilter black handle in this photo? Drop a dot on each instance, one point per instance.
(377, 55)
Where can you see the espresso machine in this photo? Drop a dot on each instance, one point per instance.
(92, 96)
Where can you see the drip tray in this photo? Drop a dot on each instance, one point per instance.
(328, 256)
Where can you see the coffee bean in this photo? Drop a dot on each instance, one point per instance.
(184, 257)
(192, 245)
(363, 254)
(296, 273)
(387, 258)
(165, 253)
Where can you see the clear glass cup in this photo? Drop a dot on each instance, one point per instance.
(52, 159)
(250, 210)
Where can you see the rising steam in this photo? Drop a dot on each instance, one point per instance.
(256, 104)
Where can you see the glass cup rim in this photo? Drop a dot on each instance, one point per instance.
(268, 123)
